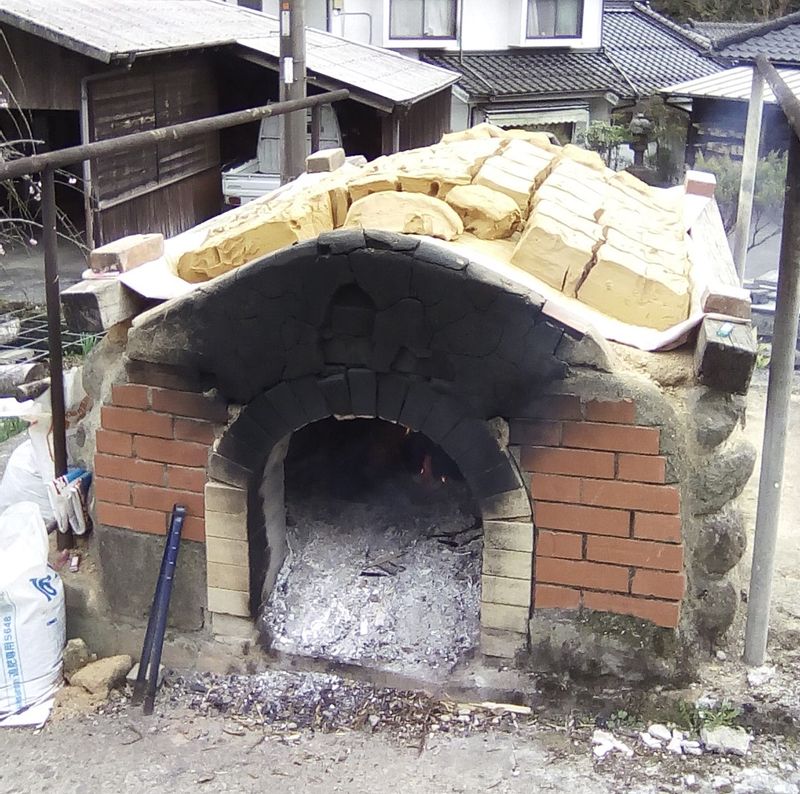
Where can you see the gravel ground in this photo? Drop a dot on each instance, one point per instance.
(321, 734)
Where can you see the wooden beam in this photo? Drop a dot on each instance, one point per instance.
(92, 307)
(725, 355)
(789, 103)
(714, 273)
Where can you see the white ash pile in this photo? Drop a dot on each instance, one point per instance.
(387, 577)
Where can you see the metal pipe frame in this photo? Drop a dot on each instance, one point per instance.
(48, 162)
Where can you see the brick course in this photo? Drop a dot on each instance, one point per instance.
(608, 527)
(152, 452)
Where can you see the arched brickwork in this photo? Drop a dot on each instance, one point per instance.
(247, 468)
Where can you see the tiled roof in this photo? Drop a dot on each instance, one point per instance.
(714, 31)
(778, 39)
(642, 52)
(511, 72)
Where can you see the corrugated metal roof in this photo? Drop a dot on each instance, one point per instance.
(110, 30)
(731, 84)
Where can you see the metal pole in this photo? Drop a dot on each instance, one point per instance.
(316, 127)
(293, 85)
(779, 393)
(752, 140)
(175, 132)
(52, 296)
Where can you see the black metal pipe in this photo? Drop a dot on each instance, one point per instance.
(91, 151)
(147, 644)
(316, 127)
(51, 286)
(162, 605)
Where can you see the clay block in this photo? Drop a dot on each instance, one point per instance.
(325, 160)
(558, 252)
(505, 176)
(127, 252)
(409, 213)
(486, 213)
(636, 292)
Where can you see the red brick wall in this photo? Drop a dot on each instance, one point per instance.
(608, 527)
(152, 452)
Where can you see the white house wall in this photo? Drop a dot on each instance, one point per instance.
(495, 25)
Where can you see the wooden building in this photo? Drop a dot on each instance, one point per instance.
(86, 70)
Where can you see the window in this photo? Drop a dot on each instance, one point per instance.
(422, 19)
(552, 19)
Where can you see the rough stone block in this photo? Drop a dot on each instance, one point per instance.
(236, 446)
(508, 535)
(228, 602)
(286, 404)
(264, 413)
(510, 564)
(504, 616)
(336, 390)
(311, 399)
(392, 391)
(363, 392)
(502, 644)
(501, 590)
(417, 406)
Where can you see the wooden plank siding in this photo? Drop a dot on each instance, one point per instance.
(170, 209)
(156, 92)
(38, 75)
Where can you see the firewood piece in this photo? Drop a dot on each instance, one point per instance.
(92, 307)
(13, 376)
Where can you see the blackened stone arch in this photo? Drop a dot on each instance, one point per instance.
(372, 301)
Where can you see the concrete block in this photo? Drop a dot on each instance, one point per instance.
(505, 617)
(222, 498)
(232, 627)
(127, 252)
(509, 535)
(229, 552)
(325, 160)
(228, 602)
(501, 590)
(511, 564)
(228, 577)
(502, 644)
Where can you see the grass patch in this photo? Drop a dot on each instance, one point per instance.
(11, 427)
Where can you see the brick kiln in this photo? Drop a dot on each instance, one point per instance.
(599, 481)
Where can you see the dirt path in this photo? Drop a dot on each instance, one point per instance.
(181, 751)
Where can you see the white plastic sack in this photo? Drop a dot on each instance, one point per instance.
(32, 618)
(22, 481)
